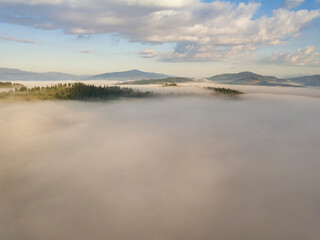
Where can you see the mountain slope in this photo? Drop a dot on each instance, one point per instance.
(159, 81)
(249, 78)
(129, 75)
(313, 81)
(11, 74)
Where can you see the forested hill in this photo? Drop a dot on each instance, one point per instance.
(249, 78)
(159, 81)
(9, 85)
(76, 91)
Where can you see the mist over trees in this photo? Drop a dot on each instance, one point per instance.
(9, 85)
(221, 90)
(74, 91)
(81, 91)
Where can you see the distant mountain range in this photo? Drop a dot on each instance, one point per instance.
(9, 74)
(249, 78)
(242, 78)
(159, 81)
(129, 75)
(307, 80)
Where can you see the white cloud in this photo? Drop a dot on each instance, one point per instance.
(305, 56)
(292, 3)
(160, 3)
(102, 3)
(202, 31)
(12, 39)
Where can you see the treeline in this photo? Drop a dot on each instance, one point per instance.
(173, 80)
(9, 85)
(220, 90)
(81, 91)
(75, 91)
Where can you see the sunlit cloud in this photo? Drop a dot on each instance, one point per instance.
(292, 3)
(302, 57)
(217, 31)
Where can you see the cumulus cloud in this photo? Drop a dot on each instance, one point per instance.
(188, 51)
(201, 31)
(303, 56)
(292, 3)
(95, 3)
(227, 41)
(8, 38)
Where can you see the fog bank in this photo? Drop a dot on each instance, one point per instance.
(188, 168)
(192, 87)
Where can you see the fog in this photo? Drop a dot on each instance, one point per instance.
(189, 87)
(186, 168)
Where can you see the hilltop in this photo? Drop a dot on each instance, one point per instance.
(159, 81)
(129, 75)
(249, 78)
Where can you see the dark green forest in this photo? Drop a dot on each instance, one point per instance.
(9, 85)
(229, 91)
(81, 91)
(73, 91)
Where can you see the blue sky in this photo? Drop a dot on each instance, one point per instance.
(180, 37)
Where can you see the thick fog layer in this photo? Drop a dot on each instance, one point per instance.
(187, 168)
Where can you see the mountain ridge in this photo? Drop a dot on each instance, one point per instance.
(312, 80)
(159, 81)
(250, 78)
(241, 78)
(14, 74)
(133, 74)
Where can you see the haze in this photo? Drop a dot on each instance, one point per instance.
(191, 165)
(187, 168)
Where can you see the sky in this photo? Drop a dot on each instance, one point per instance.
(190, 38)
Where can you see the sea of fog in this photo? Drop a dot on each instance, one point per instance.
(174, 168)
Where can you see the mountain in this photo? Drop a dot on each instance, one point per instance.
(10, 74)
(312, 81)
(159, 81)
(249, 78)
(129, 75)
